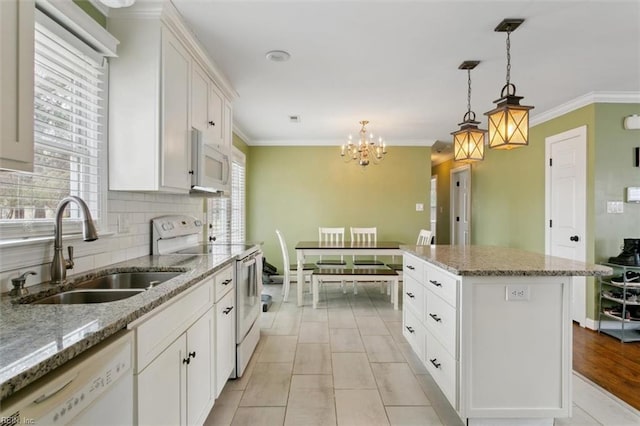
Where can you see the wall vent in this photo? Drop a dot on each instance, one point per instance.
(294, 118)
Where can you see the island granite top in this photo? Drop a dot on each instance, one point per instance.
(35, 339)
(501, 261)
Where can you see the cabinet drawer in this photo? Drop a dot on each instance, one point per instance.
(442, 283)
(223, 282)
(158, 331)
(440, 319)
(442, 367)
(414, 332)
(413, 294)
(413, 267)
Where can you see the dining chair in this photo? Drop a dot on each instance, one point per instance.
(291, 267)
(331, 236)
(424, 239)
(365, 236)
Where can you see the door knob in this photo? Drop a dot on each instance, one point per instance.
(575, 238)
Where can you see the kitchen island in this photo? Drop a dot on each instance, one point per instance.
(492, 325)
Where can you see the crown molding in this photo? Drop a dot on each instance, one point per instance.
(241, 134)
(584, 100)
(333, 142)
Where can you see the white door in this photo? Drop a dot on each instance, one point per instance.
(461, 206)
(566, 212)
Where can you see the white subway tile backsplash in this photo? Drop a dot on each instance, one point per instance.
(136, 208)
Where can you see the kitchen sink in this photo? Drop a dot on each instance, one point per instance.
(128, 280)
(87, 296)
(109, 288)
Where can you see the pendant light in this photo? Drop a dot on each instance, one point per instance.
(468, 142)
(509, 121)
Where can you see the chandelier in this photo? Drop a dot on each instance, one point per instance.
(468, 142)
(508, 121)
(365, 150)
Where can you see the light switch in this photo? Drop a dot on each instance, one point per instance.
(419, 207)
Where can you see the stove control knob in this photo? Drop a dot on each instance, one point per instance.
(198, 222)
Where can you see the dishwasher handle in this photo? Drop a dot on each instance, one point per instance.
(55, 391)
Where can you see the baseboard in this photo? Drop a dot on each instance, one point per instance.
(591, 324)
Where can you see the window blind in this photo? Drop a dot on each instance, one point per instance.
(68, 134)
(237, 201)
(227, 215)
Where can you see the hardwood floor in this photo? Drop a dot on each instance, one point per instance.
(611, 364)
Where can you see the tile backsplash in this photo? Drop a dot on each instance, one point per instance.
(126, 234)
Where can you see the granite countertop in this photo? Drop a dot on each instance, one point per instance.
(35, 339)
(501, 261)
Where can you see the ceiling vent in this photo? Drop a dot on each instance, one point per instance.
(294, 119)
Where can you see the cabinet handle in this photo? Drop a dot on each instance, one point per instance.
(190, 172)
(411, 330)
(211, 123)
(229, 309)
(410, 295)
(226, 282)
(186, 361)
(410, 267)
(212, 238)
(435, 362)
(192, 354)
(436, 283)
(435, 317)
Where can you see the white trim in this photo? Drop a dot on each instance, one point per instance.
(80, 23)
(241, 134)
(590, 324)
(581, 133)
(584, 100)
(466, 167)
(335, 142)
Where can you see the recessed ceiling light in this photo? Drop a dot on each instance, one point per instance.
(278, 56)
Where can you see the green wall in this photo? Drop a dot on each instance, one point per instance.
(298, 189)
(92, 11)
(508, 198)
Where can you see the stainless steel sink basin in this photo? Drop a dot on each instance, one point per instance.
(128, 280)
(108, 288)
(87, 296)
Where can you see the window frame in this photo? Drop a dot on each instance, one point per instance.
(74, 26)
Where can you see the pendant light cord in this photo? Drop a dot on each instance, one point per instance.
(508, 57)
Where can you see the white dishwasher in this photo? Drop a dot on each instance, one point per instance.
(96, 388)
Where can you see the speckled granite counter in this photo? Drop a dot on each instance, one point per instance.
(35, 339)
(501, 261)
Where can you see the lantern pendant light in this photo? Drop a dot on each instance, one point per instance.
(509, 121)
(468, 142)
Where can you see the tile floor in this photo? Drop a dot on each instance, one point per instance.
(347, 363)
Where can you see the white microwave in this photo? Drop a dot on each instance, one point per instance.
(210, 166)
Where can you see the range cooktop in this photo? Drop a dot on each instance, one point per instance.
(217, 248)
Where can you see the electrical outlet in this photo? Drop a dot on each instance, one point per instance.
(123, 223)
(615, 207)
(517, 292)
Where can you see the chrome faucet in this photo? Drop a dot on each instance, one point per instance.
(59, 265)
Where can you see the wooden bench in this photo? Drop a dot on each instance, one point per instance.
(357, 274)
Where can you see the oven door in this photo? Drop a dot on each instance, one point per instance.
(248, 290)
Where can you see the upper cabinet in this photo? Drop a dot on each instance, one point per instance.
(161, 85)
(16, 84)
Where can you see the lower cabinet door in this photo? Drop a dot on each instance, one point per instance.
(161, 387)
(413, 331)
(225, 354)
(200, 369)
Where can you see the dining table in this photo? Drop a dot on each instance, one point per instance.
(348, 248)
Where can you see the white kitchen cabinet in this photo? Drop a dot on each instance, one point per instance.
(176, 387)
(228, 124)
(16, 84)
(161, 84)
(148, 109)
(225, 340)
(175, 359)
